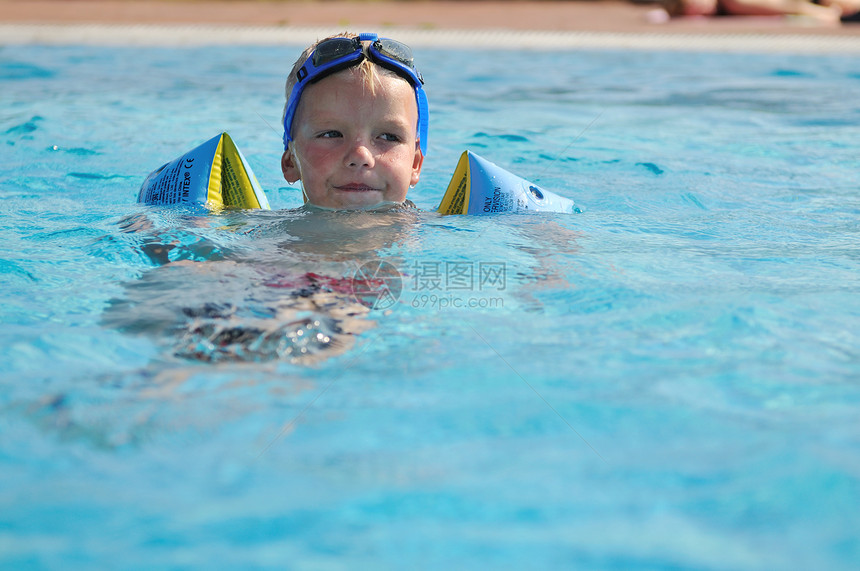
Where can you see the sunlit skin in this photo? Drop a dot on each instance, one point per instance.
(353, 148)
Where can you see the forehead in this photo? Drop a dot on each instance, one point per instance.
(352, 86)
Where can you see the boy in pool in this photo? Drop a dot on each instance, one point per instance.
(355, 122)
(355, 134)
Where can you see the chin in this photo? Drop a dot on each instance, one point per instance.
(362, 200)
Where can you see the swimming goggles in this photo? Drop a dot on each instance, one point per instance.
(335, 54)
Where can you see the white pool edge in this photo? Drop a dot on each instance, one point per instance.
(202, 35)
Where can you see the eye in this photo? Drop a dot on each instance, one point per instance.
(330, 135)
(391, 137)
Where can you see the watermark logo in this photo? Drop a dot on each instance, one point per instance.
(377, 285)
(453, 276)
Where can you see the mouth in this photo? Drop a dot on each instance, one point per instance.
(355, 187)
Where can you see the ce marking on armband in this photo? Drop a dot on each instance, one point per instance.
(188, 164)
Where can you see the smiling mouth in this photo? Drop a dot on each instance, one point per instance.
(355, 187)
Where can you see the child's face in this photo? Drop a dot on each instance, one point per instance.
(352, 148)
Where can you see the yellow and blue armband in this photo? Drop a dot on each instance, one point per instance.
(481, 187)
(215, 175)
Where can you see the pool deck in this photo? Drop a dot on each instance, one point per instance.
(483, 23)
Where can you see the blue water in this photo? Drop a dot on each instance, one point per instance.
(669, 379)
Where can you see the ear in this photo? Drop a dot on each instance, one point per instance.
(289, 167)
(417, 163)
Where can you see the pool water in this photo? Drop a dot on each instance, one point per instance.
(668, 379)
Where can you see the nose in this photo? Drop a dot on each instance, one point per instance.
(360, 154)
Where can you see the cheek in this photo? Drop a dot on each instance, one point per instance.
(316, 154)
(315, 161)
(402, 161)
(402, 176)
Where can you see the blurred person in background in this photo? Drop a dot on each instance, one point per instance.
(825, 11)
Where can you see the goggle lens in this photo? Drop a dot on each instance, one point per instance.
(396, 51)
(335, 48)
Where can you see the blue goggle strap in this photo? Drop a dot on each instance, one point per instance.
(423, 118)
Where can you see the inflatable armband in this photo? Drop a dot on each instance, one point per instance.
(481, 187)
(215, 175)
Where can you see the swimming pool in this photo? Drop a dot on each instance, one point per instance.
(668, 379)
